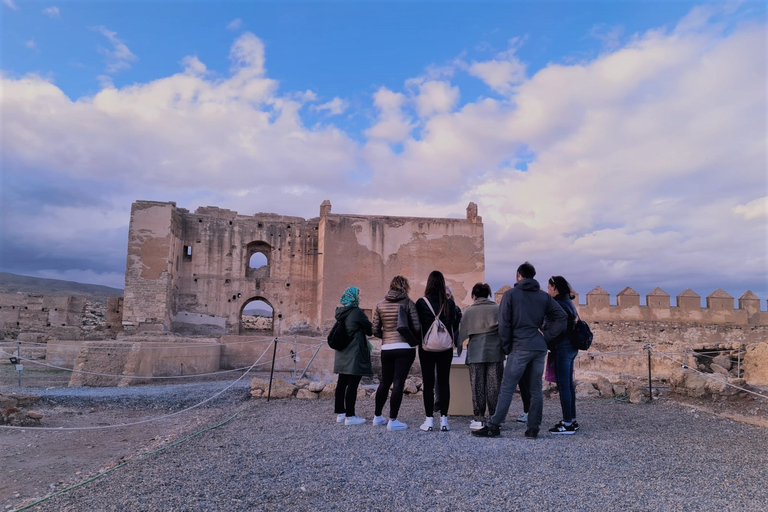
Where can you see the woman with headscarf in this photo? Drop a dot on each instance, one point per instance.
(564, 353)
(353, 362)
(436, 303)
(485, 356)
(397, 355)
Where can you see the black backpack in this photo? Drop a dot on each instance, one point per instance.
(581, 338)
(338, 339)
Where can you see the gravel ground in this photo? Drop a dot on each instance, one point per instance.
(292, 455)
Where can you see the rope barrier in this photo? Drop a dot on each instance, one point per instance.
(127, 345)
(136, 458)
(150, 420)
(145, 377)
(710, 376)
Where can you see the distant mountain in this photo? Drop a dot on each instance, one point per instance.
(14, 283)
(257, 312)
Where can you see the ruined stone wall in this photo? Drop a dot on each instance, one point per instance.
(197, 277)
(368, 251)
(30, 315)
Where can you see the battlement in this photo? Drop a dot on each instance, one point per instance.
(720, 307)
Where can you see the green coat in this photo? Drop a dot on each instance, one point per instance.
(356, 358)
(480, 324)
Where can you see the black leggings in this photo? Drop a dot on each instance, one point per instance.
(395, 365)
(441, 361)
(346, 394)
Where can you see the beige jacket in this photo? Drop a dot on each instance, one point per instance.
(385, 317)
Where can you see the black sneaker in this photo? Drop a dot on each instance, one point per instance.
(532, 433)
(487, 431)
(575, 425)
(562, 428)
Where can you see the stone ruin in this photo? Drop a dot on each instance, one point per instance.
(190, 276)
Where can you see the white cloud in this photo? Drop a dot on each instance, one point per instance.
(335, 107)
(503, 72)
(52, 12)
(436, 98)
(757, 209)
(120, 56)
(11, 4)
(235, 24)
(393, 125)
(193, 66)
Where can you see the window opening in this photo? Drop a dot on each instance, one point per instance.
(258, 260)
(257, 318)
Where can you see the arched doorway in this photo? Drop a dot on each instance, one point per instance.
(257, 317)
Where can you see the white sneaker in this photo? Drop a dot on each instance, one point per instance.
(354, 420)
(378, 421)
(428, 425)
(523, 418)
(395, 425)
(476, 425)
(341, 417)
(444, 424)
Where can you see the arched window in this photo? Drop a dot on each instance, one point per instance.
(258, 260)
(258, 257)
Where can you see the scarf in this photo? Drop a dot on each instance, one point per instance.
(351, 297)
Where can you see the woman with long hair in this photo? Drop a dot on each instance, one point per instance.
(564, 353)
(397, 355)
(353, 362)
(436, 303)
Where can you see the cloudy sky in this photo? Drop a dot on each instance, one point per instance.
(617, 143)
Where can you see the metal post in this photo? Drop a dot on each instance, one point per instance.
(650, 382)
(738, 363)
(295, 356)
(272, 371)
(312, 359)
(19, 366)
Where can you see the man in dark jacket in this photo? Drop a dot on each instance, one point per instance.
(524, 334)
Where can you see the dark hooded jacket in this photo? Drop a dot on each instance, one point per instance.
(522, 315)
(356, 358)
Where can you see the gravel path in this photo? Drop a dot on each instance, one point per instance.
(291, 455)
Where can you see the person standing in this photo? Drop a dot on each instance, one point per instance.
(528, 318)
(565, 353)
(353, 362)
(485, 357)
(397, 355)
(436, 303)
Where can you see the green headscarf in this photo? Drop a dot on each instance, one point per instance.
(351, 297)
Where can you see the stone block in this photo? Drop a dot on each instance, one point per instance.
(586, 390)
(281, 389)
(410, 386)
(605, 387)
(328, 391)
(305, 393)
(755, 364)
(638, 396)
(316, 386)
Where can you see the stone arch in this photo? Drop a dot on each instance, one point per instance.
(262, 322)
(258, 259)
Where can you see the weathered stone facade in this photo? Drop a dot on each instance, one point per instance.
(191, 272)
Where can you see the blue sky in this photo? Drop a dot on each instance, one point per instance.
(617, 143)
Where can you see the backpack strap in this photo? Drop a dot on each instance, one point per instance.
(431, 308)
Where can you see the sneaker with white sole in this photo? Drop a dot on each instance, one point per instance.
(444, 427)
(575, 424)
(395, 425)
(562, 428)
(428, 425)
(354, 420)
(379, 421)
(476, 425)
(523, 418)
(341, 417)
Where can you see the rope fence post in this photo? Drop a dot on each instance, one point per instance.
(19, 367)
(272, 371)
(738, 362)
(650, 382)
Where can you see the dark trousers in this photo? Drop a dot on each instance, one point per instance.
(525, 389)
(442, 362)
(346, 394)
(395, 365)
(485, 380)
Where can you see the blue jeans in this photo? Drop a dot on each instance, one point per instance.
(513, 372)
(564, 357)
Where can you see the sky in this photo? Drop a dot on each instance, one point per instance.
(616, 143)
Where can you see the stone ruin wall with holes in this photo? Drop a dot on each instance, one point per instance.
(190, 272)
(712, 336)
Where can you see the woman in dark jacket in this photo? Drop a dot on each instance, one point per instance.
(445, 308)
(354, 361)
(397, 355)
(564, 353)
